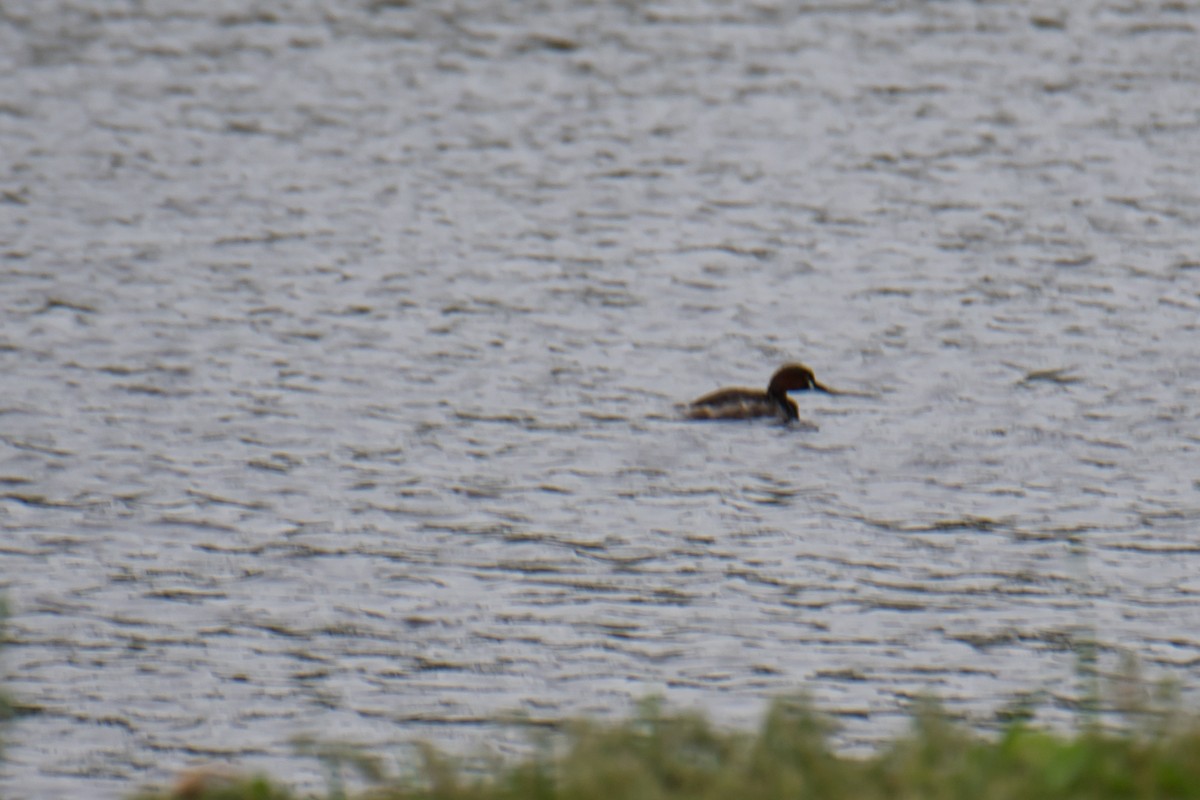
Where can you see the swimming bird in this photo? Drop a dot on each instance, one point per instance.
(741, 403)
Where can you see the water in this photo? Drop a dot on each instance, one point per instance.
(341, 344)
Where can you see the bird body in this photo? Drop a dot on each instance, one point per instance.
(744, 403)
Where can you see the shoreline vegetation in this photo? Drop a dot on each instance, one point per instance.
(659, 754)
(1149, 749)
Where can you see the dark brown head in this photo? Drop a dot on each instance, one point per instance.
(794, 378)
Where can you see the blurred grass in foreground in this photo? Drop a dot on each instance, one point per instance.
(663, 755)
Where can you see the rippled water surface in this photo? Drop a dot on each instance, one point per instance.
(340, 345)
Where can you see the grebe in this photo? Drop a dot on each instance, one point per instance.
(739, 403)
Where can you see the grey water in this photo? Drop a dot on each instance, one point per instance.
(341, 344)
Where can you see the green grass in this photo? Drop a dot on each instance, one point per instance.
(662, 755)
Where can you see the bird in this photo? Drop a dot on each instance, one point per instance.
(743, 403)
